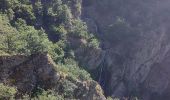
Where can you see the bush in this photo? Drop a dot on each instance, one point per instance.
(71, 68)
(94, 43)
(31, 41)
(79, 29)
(6, 92)
(6, 4)
(56, 52)
(25, 12)
(68, 89)
(47, 95)
(26, 40)
(8, 35)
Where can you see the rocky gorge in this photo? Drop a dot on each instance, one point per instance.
(134, 60)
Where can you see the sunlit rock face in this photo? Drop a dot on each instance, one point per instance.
(28, 73)
(135, 62)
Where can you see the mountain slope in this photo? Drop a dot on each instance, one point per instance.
(30, 73)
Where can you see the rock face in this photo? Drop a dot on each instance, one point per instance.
(28, 73)
(134, 64)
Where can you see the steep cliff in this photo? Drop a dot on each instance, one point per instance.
(28, 73)
(134, 60)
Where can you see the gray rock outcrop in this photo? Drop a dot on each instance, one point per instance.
(28, 73)
(136, 63)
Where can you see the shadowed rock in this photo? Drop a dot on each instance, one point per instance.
(137, 61)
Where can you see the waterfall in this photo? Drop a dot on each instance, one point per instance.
(101, 72)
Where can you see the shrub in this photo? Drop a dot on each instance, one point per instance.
(68, 89)
(94, 43)
(7, 92)
(8, 35)
(47, 95)
(71, 68)
(79, 29)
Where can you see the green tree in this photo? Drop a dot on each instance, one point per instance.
(8, 35)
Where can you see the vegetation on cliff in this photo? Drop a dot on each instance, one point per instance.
(30, 27)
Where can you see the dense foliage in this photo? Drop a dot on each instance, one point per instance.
(45, 95)
(34, 21)
(29, 27)
(7, 92)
